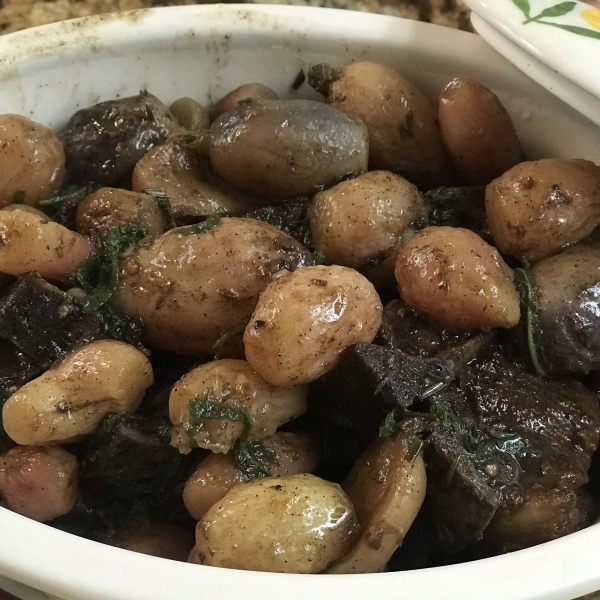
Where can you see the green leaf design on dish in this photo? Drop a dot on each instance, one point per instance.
(574, 29)
(523, 6)
(558, 10)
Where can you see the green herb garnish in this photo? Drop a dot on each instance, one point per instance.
(527, 289)
(19, 197)
(227, 335)
(444, 204)
(201, 227)
(203, 408)
(123, 328)
(449, 423)
(164, 203)
(483, 444)
(318, 258)
(67, 197)
(457, 207)
(415, 447)
(250, 454)
(586, 336)
(388, 427)
(99, 273)
(395, 416)
(62, 205)
(250, 457)
(156, 193)
(109, 424)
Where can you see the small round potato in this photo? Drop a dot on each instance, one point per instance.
(71, 399)
(32, 160)
(286, 148)
(216, 474)
(361, 223)
(230, 383)
(30, 241)
(402, 124)
(538, 207)
(568, 307)
(297, 524)
(39, 482)
(184, 177)
(248, 91)
(477, 131)
(190, 114)
(114, 206)
(546, 514)
(387, 487)
(453, 276)
(189, 289)
(303, 321)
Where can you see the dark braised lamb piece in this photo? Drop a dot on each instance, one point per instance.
(43, 321)
(507, 452)
(130, 472)
(560, 419)
(103, 143)
(290, 216)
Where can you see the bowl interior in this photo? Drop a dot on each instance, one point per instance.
(204, 52)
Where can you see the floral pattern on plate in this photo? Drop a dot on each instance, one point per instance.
(548, 16)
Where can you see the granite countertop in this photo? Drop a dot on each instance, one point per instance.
(20, 14)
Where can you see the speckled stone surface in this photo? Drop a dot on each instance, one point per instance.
(20, 14)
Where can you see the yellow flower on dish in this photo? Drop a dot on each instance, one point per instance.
(592, 17)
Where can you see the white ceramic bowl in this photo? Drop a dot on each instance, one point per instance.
(203, 52)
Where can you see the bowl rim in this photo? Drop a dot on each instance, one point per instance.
(75, 567)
